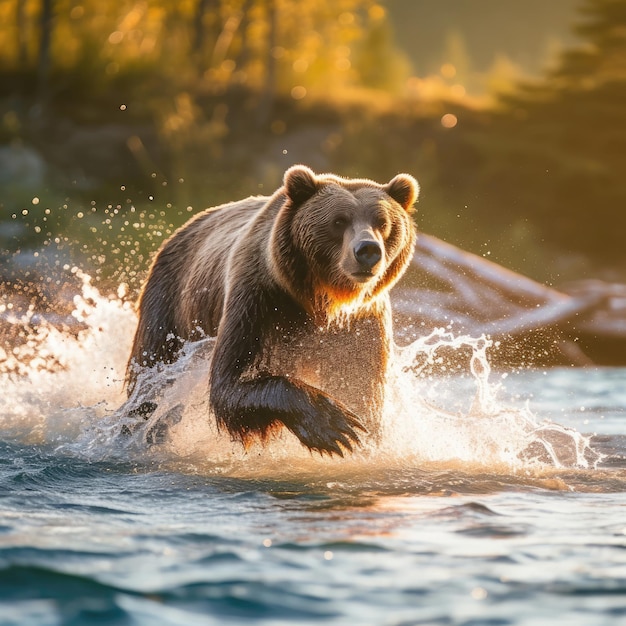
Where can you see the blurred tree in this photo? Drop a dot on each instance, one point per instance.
(268, 92)
(244, 50)
(21, 36)
(271, 46)
(457, 63)
(557, 153)
(45, 40)
(379, 64)
(200, 18)
(503, 76)
(603, 59)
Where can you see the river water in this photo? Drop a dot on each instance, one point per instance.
(494, 497)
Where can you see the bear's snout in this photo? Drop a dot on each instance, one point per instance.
(368, 254)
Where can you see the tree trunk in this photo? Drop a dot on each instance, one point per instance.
(44, 57)
(22, 35)
(269, 89)
(244, 51)
(201, 33)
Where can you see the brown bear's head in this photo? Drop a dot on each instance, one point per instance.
(339, 243)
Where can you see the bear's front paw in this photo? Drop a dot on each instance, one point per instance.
(328, 428)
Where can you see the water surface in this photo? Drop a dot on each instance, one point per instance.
(495, 497)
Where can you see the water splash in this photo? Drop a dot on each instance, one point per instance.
(461, 415)
(64, 387)
(57, 379)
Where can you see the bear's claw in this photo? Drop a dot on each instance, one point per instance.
(331, 428)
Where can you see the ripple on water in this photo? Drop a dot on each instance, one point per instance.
(484, 504)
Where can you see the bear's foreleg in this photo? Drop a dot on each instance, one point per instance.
(251, 402)
(254, 407)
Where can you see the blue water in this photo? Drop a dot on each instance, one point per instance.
(449, 523)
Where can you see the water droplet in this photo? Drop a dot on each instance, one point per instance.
(479, 593)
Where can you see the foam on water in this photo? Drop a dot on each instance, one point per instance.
(65, 388)
(55, 382)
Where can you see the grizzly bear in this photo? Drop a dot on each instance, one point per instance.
(295, 289)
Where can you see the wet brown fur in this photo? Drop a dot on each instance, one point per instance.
(276, 280)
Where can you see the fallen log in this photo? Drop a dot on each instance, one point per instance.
(445, 287)
(505, 282)
(531, 322)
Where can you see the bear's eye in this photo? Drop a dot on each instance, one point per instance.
(338, 227)
(381, 225)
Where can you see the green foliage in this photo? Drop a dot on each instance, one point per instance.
(197, 102)
(558, 150)
(378, 64)
(211, 44)
(603, 58)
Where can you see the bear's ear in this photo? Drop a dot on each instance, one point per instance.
(300, 184)
(404, 189)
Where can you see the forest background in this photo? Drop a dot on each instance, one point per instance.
(120, 119)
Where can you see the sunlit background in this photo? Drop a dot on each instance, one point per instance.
(120, 119)
(496, 495)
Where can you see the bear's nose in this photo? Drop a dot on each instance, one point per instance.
(367, 253)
